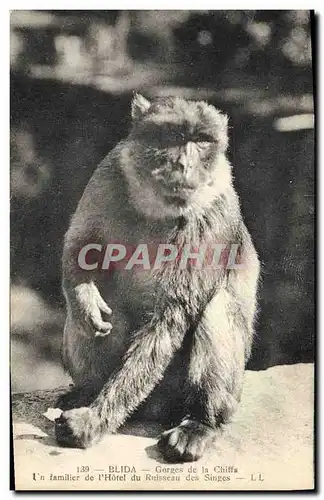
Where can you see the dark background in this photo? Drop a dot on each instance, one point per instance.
(72, 77)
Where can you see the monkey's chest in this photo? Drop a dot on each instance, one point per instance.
(134, 291)
(155, 271)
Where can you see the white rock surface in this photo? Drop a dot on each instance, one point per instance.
(268, 446)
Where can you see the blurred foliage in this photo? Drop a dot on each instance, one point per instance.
(204, 44)
(72, 77)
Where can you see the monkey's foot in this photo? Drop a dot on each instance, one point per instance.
(185, 443)
(78, 428)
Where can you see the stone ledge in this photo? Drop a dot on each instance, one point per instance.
(271, 435)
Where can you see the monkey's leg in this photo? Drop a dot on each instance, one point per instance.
(215, 377)
(144, 365)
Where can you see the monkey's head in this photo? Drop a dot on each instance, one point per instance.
(176, 153)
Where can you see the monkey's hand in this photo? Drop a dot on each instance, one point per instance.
(89, 307)
(78, 428)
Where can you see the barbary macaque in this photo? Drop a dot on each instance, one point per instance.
(165, 342)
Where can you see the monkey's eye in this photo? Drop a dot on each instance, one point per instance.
(175, 138)
(204, 140)
(203, 137)
(203, 145)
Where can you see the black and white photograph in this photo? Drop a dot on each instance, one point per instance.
(162, 254)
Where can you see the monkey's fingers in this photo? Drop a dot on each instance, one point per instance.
(101, 327)
(102, 334)
(103, 306)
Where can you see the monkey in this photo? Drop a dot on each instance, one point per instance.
(168, 343)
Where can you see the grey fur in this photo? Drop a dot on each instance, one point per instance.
(180, 338)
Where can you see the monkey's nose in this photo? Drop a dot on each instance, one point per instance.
(189, 175)
(183, 162)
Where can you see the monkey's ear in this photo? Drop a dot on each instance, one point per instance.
(139, 106)
(223, 129)
(224, 120)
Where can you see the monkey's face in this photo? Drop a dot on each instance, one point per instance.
(176, 146)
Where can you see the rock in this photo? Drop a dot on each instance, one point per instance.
(268, 446)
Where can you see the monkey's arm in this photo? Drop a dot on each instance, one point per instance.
(145, 362)
(88, 224)
(83, 298)
(243, 284)
(221, 346)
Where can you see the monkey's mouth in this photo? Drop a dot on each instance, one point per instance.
(178, 193)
